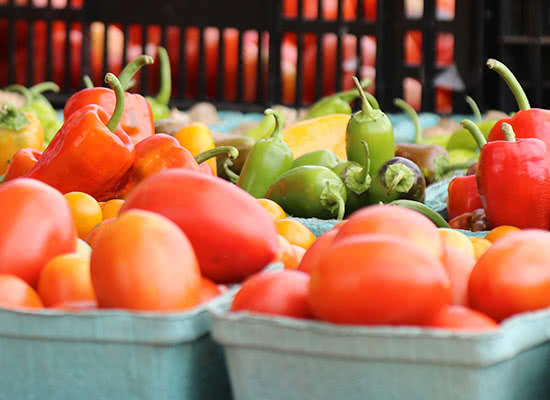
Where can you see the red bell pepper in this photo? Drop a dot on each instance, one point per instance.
(137, 119)
(161, 152)
(91, 152)
(463, 196)
(526, 123)
(513, 179)
(22, 162)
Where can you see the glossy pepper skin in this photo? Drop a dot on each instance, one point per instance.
(463, 196)
(310, 192)
(22, 162)
(398, 178)
(374, 127)
(264, 129)
(159, 104)
(513, 179)
(18, 130)
(90, 153)
(526, 123)
(322, 158)
(269, 159)
(137, 119)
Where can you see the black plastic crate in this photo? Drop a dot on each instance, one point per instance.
(233, 81)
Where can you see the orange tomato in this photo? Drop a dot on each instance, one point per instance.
(287, 255)
(499, 232)
(92, 237)
(197, 138)
(459, 266)
(209, 290)
(86, 212)
(66, 278)
(143, 261)
(459, 318)
(15, 293)
(273, 209)
(295, 232)
(316, 252)
(111, 208)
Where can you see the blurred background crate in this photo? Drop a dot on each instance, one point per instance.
(246, 54)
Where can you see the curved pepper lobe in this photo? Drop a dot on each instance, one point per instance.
(531, 123)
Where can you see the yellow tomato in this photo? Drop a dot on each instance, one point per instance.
(480, 246)
(273, 209)
(457, 240)
(295, 232)
(197, 138)
(86, 212)
(11, 142)
(499, 232)
(83, 249)
(111, 208)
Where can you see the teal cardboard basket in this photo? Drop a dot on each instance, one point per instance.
(110, 355)
(271, 358)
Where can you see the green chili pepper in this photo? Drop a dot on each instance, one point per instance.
(159, 104)
(375, 128)
(37, 104)
(338, 103)
(310, 192)
(322, 158)
(398, 178)
(461, 139)
(267, 161)
(357, 180)
(243, 144)
(265, 128)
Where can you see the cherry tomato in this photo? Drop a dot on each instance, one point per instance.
(15, 293)
(287, 255)
(36, 227)
(317, 251)
(111, 208)
(459, 318)
(276, 293)
(499, 232)
(142, 261)
(273, 209)
(480, 246)
(378, 280)
(86, 212)
(295, 232)
(94, 234)
(66, 278)
(513, 276)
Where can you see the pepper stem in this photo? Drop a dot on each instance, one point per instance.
(278, 131)
(227, 164)
(400, 177)
(165, 91)
(130, 70)
(475, 132)
(349, 95)
(396, 181)
(362, 176)
(333, 200)
(405, 107)
(88, 83)
(455, 167)
(44, 87)
(114, 83)
(11, 118)
(367, 108)
(511, 81)
(230, 151)
(474, 107)
(26, 93)
(508, 131)
(357, 179)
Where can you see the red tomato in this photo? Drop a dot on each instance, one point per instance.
(512, 276)
(378, 280)
(276, 293)
(459, 318)
(17, 294)
(38, 227)
(209, 290)
(317, 251)
(233, 238)
(459, 266)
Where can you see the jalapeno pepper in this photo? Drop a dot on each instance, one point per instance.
(243, 144)
(268, 160)
(322, 158)
(159, 104)
(375, 128)
(265, 128)
(310, 192)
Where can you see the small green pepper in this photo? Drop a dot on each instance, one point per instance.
(357, 180)
(267, 161)
(159, 104)
(310, 192)
(242, 143)
(37, 104)
(322, 158)
(265, 128)
(375, 128)
(338, 103)
(398, 178)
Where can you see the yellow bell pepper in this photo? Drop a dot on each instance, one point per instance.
(18, 130)
(327, 132)
(197, 138)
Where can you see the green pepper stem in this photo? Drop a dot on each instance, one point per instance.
(349, 95)
(165, 91)
(227, 164)
(44, 87)
(457, 166)
(278, 131)
(508, 131)
(332, 194)
(130, 70)
(22, 90)
(362, 176)
(367, 108)
(88, 83)
(395, 181)
(407, 108)
(474, 107)
(372, 100)
(230, 151)
(511, 81)
(114, 83)
(475, 132)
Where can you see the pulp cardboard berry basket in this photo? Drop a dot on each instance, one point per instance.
(286, 359)
(110, 355)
